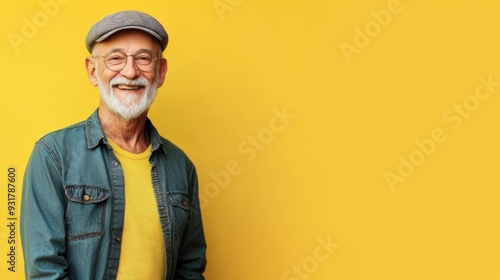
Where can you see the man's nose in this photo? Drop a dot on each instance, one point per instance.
(130, 70)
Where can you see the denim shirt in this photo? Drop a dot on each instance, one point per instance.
(73, 203)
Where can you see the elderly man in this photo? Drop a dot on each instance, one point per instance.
(109, 197)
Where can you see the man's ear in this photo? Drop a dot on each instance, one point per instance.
(91, 70)
(162, 71)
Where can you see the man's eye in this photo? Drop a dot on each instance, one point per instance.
(115, 58)
(143, 58)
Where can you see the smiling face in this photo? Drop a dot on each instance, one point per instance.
(128, 92)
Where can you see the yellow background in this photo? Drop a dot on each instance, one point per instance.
(273, 191)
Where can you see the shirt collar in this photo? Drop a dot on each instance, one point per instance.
(95, 136)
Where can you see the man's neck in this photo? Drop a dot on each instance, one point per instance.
(132, 135)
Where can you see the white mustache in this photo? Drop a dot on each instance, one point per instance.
(139, 81)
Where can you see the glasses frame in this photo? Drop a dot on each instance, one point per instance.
(137, 66)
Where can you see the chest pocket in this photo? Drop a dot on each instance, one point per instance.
(86, 211)
(180, 207)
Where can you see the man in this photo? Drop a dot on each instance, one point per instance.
(109, 198)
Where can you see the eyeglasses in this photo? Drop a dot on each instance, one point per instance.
(116, 61)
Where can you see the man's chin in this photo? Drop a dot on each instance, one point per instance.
(129, 111)
(128, 115)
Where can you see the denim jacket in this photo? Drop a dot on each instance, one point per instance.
(73, 206)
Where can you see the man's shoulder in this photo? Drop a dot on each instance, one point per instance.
(71, 133)
(170, 147)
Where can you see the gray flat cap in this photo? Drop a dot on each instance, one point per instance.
(111, 24)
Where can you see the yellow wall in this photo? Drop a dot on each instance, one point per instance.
(350, 140)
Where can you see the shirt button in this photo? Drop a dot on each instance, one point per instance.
(86, 197)
(184, 203)
(117, 239)
(115, 163)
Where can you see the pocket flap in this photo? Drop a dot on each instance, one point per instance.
(179, 200)
(86, 194)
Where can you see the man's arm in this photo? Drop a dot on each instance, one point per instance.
(42, 217)
(192, 254)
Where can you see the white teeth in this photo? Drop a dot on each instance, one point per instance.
(127, 87)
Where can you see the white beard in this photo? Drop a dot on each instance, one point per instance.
(129, 106)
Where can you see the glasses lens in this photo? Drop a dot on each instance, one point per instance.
(116, 61)
(144, 61)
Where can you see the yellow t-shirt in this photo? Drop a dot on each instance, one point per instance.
(142, 252)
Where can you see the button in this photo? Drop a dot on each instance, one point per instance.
(86, 197)
(184, 203)
(117, 239)
(115, 163)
